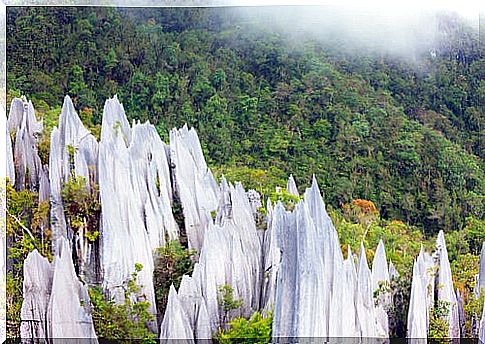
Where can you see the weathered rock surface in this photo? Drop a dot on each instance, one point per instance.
(331, 299)
(418, 310)
(176, 324)
(481, 273)
(133, 167)
(194, 182)
(381, 282)
(73, 153)
(68, 313)
(295, 267)
(23, 124)
(291, 186)
(481, 335)
(10, 169)
(446, 292)
(230, 255)
(56, 303)
(37, 285)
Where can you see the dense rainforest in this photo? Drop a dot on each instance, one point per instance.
(407, 135)
(396, 142)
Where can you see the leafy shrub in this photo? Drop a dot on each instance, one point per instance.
(438, 325)
(24, 233)
(82, 206)
(227, 302)
(122, 322)
(171, 263)
(256, 329)
(282, 195)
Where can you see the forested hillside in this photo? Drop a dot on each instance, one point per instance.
(405, 134)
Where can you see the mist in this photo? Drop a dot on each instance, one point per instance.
(409, 34)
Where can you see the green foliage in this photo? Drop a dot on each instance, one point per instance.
(226, 298)
(438, 324)
(256, 329)
(82, 206)
(227, 303)
(402, 241)
(26, 230)
(263, 181)
(122, 322)
(171, 262)
(464, 268)
(282, 195)
(369, 126)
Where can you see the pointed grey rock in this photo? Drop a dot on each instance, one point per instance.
(195, 184)
(23, 124)
(44, 186)
(69, 305)
(481, 335)
(461, 311)
(291, 186)
(37, 285)
(393, 273)
(55, 304)
(175, 324)
(481, 273)
(132, 166)
(73, 153)
(445, 288)
(365, 298)
(10, 171)
(381, 282)
(417, 315)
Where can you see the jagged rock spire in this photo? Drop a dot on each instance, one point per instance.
(194, 183)
(10, 169)
(176, 324)
(23, 124)
(418, 310)
(291, 186)
(133, 166)
(481, 273)
(446, 292)
(37, 286)
(380, 283)
(481, 335)
(73, 153)
(56, 303)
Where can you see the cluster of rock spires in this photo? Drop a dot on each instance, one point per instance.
(294, 267)
(432, 283)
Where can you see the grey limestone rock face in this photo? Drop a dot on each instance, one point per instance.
(381, 282)
(231, 255)
(176, 324)
(56, 304)
(23, 124)
(331, 298)
(194, 183)
(291, 186)
(445, 290)
(418, 310)
(481, 273)
(432, 280)
(393, 273)
(37, 285)
(68, 313)
(133, 167)
(481, 334)
(10, 168)
(73, 154)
